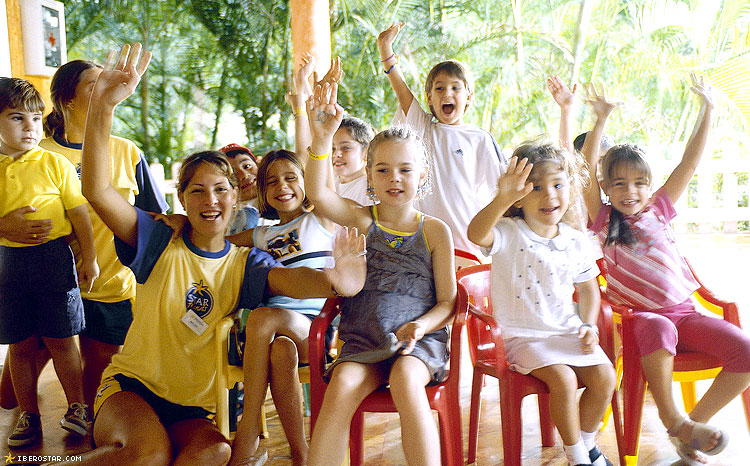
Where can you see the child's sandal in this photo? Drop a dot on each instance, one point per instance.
(700, 436)
(258, 459)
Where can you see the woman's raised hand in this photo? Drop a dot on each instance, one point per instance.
(116, 83)
(512, 184)
(597, 98)
(350, 266)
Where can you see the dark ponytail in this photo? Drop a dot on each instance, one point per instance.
(619, 230)
(63, 90)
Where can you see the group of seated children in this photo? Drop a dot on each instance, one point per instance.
(282, 234)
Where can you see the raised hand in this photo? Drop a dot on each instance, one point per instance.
(597, 98)
(324, 113)
(386, 38)
(334, 74)
(512, 184)
(409, 334)
(117, 83)
(703, 89)
(349, 272)
(14, 226)
(563, 96)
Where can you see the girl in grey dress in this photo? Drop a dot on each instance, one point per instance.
(394, 330)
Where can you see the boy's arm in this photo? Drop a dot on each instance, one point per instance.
(591, 146)
(441, 241)
(683, 172)
(15, 227)
(565, 99)
(243, 238)
(81, 223)
(511, 187)
(296, 100)
(325, 117)
(390, 64)
(111, 88)
(346, 278)
(589, 299)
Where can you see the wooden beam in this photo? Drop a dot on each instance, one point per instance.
(15, 38)
(311, 32)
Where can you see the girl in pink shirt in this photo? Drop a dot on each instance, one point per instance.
(645, 272)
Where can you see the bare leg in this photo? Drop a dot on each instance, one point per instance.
(600, 384)
(350, 384)
(724, 388)
(263, 326)
(657, 368)
(197, 441)
(563, 402)
(7, 393)
(22, 359)
(419, 434)
(127, 431)
(67, 362)
(95, 356)
(287, 396)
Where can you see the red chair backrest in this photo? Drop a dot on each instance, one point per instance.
(476, 280)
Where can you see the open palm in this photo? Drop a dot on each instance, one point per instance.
(117, 83)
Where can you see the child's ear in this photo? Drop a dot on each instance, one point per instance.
(469, 99)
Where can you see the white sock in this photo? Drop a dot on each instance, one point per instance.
(577, 453)
(589, 439)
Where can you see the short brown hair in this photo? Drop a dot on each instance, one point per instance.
(212, 158)
(21, 94)
(261, 183)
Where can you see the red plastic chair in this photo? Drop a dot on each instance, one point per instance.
(688, 367)
(444, 397)
(465, 259)
(488, 358)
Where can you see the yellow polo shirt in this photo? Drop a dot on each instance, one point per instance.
(115, 282)
(44, 180)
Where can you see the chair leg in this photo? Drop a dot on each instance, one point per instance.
(634, 389)
(451, 441)
(688, 395)
(357, 439)
(222, 411)
(545, 421)
(511, 423)
(476, 399)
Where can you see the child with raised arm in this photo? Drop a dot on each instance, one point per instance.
(538, 258)
(40, 296)
(466, 160)
(646, 272)
(154, 405)
(394, 329)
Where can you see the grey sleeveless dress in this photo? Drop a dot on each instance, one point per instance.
(399, 288)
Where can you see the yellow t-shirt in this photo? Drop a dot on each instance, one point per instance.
(115, 282)
(174, 277)
(44, 180)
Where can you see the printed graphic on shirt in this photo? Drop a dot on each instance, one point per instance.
(284, 244)
(199, 299)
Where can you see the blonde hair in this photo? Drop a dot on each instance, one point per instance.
(407, 135)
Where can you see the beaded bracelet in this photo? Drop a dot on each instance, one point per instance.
(317, 156)
(392, 55)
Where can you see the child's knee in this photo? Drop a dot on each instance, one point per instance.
(284, 352)
(214, 454)
(260, 321)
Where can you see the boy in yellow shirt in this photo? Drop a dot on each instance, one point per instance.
(39, 296)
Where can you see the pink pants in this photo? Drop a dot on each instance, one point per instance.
(682, 328)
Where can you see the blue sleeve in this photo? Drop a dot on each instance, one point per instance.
(153, 238)
(149, 197)
(255, 282)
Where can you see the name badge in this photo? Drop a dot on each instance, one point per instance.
(194, 323)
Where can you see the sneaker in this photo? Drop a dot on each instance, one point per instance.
(27, 431)
(76, 420)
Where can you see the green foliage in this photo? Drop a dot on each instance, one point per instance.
(215, 60)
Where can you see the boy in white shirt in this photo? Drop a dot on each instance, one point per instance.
(466, 160)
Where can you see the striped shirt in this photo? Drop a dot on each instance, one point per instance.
(650, 274)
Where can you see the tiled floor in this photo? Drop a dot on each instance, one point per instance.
(383, 437)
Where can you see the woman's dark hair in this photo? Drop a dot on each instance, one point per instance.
(265, 209)
(634, 157)
(212, 158)
(63, 90)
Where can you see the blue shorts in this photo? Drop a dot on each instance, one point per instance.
(39, 292)
(107, 322)
(169, 413)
